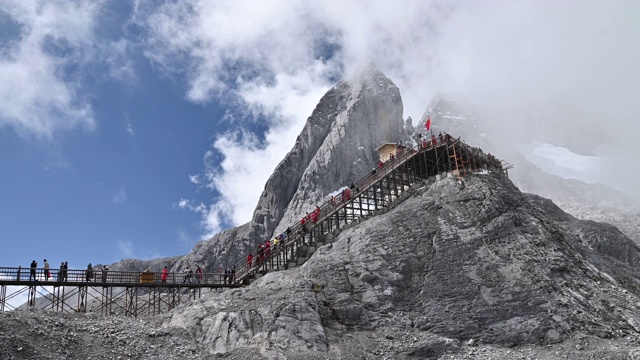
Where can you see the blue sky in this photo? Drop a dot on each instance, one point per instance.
(135, 129)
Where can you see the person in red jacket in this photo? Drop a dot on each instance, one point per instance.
(165, 275)
(434, 142)
(249, 259)
(267, 249)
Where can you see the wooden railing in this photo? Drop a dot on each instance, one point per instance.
(28, 276)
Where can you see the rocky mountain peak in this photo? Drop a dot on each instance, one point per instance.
(336, 146)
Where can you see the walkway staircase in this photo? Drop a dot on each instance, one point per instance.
(374, 194)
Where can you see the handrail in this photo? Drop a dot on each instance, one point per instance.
(98, 277)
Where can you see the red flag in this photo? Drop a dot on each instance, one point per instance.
(429, 123)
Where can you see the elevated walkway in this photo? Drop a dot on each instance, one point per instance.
(129, 293)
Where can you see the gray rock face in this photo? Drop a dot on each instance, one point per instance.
(457, 261)
(336, 146)
(154, 265)
(341, 141)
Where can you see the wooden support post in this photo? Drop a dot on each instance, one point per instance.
(3, 296)
(82, 299)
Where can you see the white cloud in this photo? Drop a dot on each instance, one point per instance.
(120, 196)
(194, 179)
(125, 248)
(37, 99)
(185, 239)
(128, 125)
(129, 250)
(129, 129)
(188, 205)
(274, 59)
(50, 50)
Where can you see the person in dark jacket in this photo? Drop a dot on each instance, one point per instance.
(89, 272)
(32, 271)
(105, 270)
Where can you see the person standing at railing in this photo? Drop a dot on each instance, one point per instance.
(260, 254)
(165, 275)
(105, 269)
(226, 277)
(60, 272)
(282, 246)
(267, 252)
(274, 244)
(198, 274)
(89, 272)
(65, 276)
(47, 267)
(32, 271)
(249, 260)
(19, 271)
(187, 275)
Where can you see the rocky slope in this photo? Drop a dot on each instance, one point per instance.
(47, 335)
(474, 260)
(470, 269)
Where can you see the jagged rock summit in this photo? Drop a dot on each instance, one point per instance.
(336, 146)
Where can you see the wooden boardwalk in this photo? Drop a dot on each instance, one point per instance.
(129, 293)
